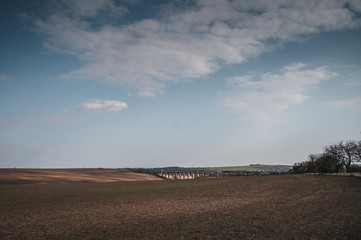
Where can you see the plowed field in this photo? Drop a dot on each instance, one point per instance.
(28, 176)
(263, 207)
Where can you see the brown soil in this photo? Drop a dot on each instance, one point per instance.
(26, 176)
(263, 207)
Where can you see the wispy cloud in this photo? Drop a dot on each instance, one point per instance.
(146, 94)
(261, 96)
(347, 104)
(181, 43)
(103, 106)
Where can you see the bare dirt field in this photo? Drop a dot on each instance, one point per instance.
(262, 207)
(28, 176)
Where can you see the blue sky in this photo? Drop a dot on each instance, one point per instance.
(103, 83)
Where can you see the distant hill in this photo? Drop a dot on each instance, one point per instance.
(252, 167)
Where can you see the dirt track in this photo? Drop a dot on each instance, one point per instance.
(28, 176)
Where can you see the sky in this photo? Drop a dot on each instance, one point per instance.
(199, 83)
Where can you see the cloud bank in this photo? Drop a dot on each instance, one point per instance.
(181, 42)
(103, 106)
(259, 97)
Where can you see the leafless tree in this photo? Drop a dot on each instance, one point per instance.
(349, 151)
(336, 155)
(345, 153)
(357, 152)
(335, 158)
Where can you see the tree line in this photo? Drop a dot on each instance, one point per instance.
(338, 157)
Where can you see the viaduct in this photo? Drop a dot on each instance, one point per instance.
(180, 175)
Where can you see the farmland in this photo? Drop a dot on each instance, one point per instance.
(262, 207)
(250, 168)
(31, 176)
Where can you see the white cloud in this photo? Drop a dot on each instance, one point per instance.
(348, 104)
(259, 97)
(104, 105)
(181, 43)
(146, 94)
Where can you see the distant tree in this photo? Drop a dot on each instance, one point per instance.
(349, 150)
(345, 153)
(310, 164)
(357, 152)
(324, 164)
(299, 168)
(336, 154)
(335, 158)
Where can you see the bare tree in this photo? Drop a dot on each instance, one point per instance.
(350, 153)
(357, 152)
(335, 158)
(345, 153)
(335, 152)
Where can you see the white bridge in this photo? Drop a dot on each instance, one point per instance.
(180, 175)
